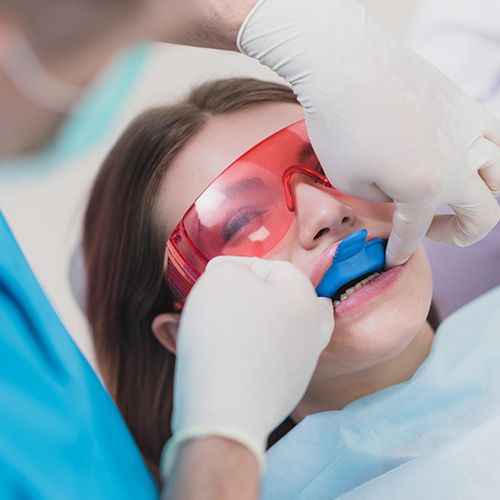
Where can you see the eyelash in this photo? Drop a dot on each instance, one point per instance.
(242, 217)
(245, 215)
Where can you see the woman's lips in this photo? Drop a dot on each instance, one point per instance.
(374, 290)
(325, 260)
(324, 263)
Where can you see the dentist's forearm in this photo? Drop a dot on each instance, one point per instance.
(205, 23)
(213, 469)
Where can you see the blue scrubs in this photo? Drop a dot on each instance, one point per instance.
(61, 436)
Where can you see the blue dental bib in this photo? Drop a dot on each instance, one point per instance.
(354, 258)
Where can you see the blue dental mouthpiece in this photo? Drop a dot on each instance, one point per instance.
(355, 257)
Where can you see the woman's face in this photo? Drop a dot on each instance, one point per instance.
(376, 323)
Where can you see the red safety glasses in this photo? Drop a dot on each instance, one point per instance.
(246, 210)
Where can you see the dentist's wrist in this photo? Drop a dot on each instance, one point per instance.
(229, 16)
(253, 444)
(213, 468)
(205, 23)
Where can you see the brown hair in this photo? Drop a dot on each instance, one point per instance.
(124, 253)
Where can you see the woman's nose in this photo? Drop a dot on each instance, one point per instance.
(320, 215)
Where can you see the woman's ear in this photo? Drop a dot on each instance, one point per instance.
(165, 328)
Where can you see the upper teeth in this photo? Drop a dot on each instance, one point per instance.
(352, 289)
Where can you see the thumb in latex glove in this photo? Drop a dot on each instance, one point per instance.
(385, 124)
(250, 336)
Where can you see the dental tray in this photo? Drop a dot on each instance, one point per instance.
(354, 258)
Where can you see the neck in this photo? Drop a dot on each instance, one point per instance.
(336, 392)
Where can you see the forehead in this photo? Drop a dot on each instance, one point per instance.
(221, 141)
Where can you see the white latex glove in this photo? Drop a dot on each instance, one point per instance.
(250, 336)
(385, 124)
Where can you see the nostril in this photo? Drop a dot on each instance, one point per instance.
(345, 220)
(321, 233)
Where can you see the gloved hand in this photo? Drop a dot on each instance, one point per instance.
(385, 124)
(250, 335)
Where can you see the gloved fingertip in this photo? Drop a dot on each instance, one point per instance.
(326, 336)
(225, 260)
(328, 322)
(393, 259)
(216, 261)
(326, 303)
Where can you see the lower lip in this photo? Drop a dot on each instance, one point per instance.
(373, 291)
